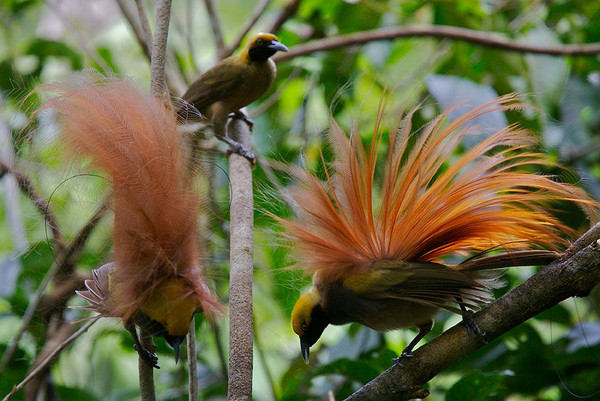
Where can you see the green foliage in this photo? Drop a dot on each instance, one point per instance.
(549, 358)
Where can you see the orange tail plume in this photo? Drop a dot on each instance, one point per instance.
(134, 138)
(430, 203)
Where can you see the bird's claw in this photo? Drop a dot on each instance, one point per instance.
(148, 357)
(472, 326)
(240, 115)
(403, 355)
(236, 147)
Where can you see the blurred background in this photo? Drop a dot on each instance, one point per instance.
(554, 356)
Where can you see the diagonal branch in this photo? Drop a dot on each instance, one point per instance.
(40, 202)
(216, 26)
(438, 31)
(287, 11)
(258, 11)
(574, 275)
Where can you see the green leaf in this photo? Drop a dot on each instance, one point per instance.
(479, 386)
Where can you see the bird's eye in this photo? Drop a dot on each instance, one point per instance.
(260, 42)
(304, 326)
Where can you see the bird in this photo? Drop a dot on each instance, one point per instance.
(376, 237)
(232, 84)
(156, 280)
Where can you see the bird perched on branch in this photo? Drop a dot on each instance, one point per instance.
(233, 83)
(375, 239)
(156, 280)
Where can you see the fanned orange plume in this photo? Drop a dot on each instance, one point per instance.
(133, 137)
(429, 203)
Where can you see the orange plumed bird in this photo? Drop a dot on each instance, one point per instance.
(156, 280)
(375, 239)
(233, 83)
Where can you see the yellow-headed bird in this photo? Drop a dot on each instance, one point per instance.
(375, 239)
(233, 83)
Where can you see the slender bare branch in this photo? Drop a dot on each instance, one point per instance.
(143, 18)
(575, 274)
(241, 268)
(49, 359)
(258, 11)
(287, 11)
(192, 361)
(216, 26)
(65, 256)
(40, 202)
(145, 371)
(438, 31)
(136, 26)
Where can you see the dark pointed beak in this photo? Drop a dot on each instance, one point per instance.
(175, 342)
(305, 348)
(277, 46)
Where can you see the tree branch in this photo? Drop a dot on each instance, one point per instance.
(49, 358)
(258, 11)
(438, 31)
(216, 27)
(287, 11)
(144, 38)
(241, 268)
(574, 275)
(158, 81)
(40, 202)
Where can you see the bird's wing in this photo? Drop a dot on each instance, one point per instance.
(425, 283)
(215, 84)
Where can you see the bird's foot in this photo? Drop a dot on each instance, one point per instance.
(240, 115)
(472, 326)
(404, 355)
(148, 357)
(236, 147)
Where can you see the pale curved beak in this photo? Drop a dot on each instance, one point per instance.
(305, 348)
(277, 46)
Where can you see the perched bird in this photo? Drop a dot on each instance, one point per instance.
(375, 237)
(233, 83)
(156, 280)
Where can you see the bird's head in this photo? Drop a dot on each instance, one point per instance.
(262, 46)
(309, 320)
(172, 307)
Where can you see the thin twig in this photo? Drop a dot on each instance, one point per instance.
(192, 362)
(50, 358)
(143, 18)
(241, 268)
(258, 11)
(145, 371)
(63, 257)
(263, 361)
(216, 26)
(438, 31)
(286, 12)
(136, 26)
(40, 203)
(83, 42)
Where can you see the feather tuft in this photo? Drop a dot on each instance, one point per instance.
(133, 137)
(430, 203)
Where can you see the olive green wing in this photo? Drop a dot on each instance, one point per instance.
(430, 284)
(215, 84)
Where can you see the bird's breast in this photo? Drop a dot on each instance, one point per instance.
(258, 78)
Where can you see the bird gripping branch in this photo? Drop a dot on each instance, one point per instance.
(233, 83)
(376, 248)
